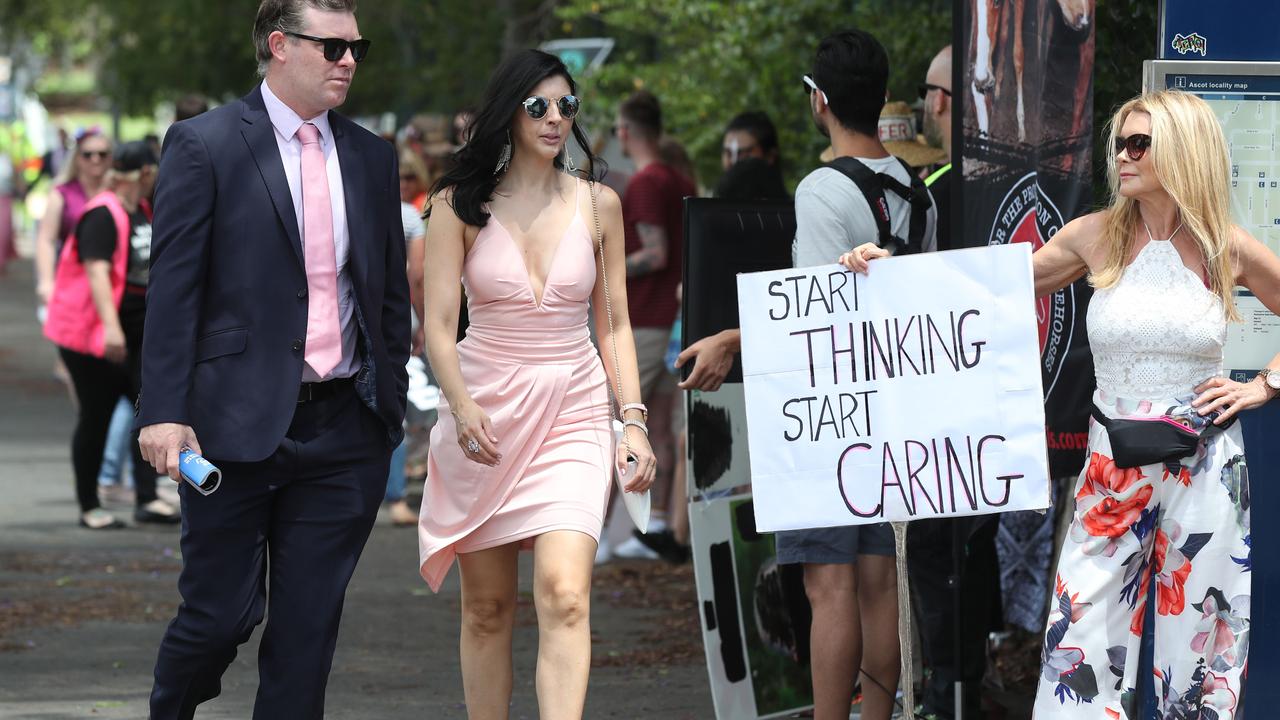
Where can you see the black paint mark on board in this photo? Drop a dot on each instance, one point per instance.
(726, 600)
(710, 443)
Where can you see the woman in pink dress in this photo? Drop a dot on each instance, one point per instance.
(528, 458)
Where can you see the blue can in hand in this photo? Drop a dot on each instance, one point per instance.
(198, 472)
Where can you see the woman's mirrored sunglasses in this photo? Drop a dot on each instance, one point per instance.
(335, 48)
(537, 106)
(1135, 145)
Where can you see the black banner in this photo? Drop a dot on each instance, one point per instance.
(1027, 102)
(722, 239)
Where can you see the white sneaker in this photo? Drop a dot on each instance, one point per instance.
(116, 494)
(633, 549)
(604, 551)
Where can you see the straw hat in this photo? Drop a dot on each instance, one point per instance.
(899, 136)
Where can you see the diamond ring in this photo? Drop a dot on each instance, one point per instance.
(473, 446)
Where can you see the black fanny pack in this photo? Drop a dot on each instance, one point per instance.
(1136, 442)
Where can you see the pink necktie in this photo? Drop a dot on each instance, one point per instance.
(324, 335)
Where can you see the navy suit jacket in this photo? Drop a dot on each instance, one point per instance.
(226, 302)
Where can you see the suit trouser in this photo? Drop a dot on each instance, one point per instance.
(280, 537)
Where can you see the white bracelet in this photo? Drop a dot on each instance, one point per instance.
(644, 411)
(636, 423)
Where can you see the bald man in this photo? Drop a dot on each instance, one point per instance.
(936, 94)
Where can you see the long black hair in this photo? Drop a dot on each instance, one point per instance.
(472, 175)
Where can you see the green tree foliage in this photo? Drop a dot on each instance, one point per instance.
(708, 60)
(426, 56)
(161, 50)
(49, 25)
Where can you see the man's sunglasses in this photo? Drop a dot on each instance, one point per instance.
(1135, 145)
(924, 89)
(810, 86)
(537, 106)
(94, 154)
(336, 48)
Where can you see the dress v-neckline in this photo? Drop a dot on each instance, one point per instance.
(538, 297)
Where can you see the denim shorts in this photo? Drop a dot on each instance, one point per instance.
(834, 545)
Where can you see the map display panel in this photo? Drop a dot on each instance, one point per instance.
(1249, 109)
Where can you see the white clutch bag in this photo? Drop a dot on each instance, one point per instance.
(637, 503)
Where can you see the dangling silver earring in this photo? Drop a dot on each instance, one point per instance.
(504, 157)
(569, 167)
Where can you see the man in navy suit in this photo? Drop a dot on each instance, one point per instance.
(277, 334)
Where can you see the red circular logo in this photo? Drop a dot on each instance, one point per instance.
(1027, 215)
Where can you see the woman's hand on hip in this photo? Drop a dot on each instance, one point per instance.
(475, 435)
(646, 465)
(1229, 397)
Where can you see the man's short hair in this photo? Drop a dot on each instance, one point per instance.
(286, 16)
(643, 114)
(852, 69)
(189, 106)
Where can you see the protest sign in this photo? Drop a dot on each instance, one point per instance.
(913, 391)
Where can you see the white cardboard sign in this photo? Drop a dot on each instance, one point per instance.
(913, 391)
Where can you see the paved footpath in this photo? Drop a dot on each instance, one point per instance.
(81, 613)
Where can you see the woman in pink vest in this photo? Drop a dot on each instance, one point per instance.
(80, 179)
(96, 315)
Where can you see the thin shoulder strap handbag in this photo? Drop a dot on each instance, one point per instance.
(637, 503)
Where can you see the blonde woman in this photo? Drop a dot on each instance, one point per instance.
(415, 181)
(1163, 259)
(96, 317)
(83, 177)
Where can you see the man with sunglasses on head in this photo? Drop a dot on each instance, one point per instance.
(277, 336)
(849, 573)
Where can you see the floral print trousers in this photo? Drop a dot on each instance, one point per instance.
(1184, 527)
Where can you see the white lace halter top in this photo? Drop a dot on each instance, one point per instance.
(1158, 332)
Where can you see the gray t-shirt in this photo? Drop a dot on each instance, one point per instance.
(411, 219)
(832, 216)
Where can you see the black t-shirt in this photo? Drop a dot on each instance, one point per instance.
(96, 240)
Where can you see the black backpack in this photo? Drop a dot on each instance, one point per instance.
(872, 186)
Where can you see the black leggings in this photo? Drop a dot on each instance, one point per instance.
(99, 384)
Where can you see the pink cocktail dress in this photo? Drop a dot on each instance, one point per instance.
(531, 366)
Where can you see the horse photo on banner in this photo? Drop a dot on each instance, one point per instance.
(1025, 140)
(867, 404)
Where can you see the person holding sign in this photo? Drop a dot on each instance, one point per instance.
(849, 572)
(529, 456)
(1162, 507)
